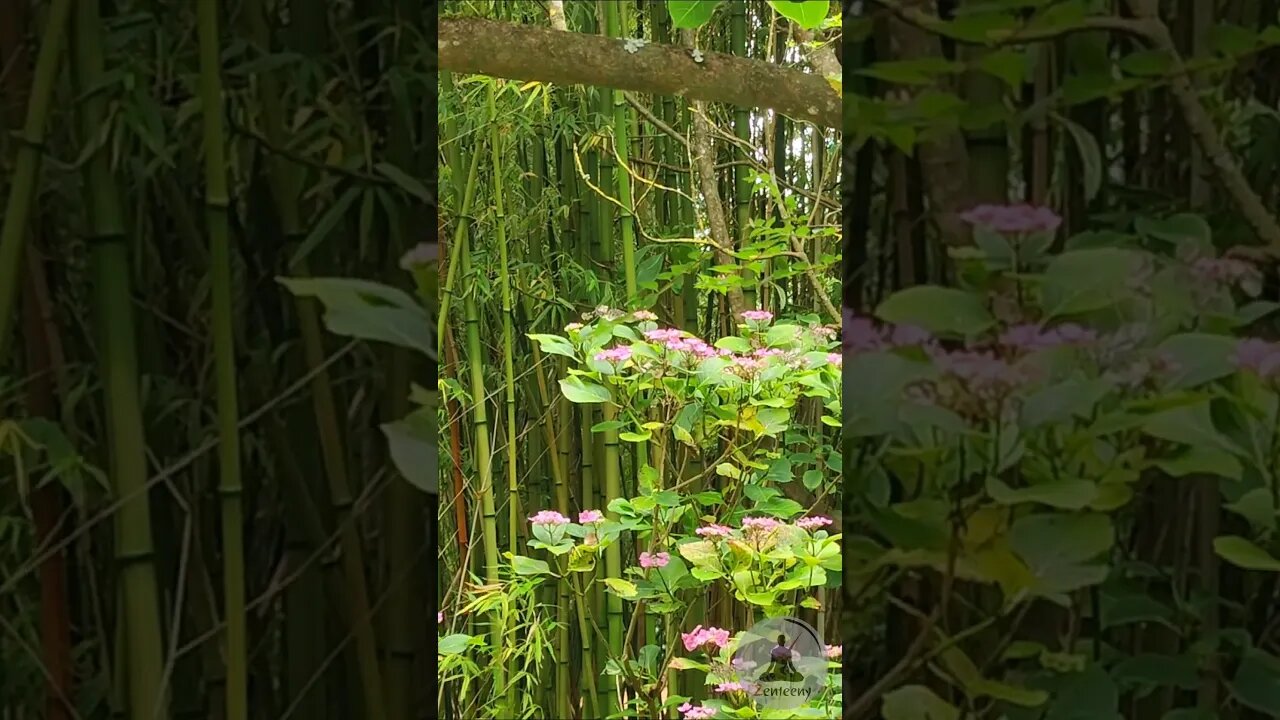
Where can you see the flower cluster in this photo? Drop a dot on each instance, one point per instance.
(705, 638)
(1013, 219)
(736, 686)
(1226, 272)
(658, 560)
(759, 316)
(587, 517)
(619, 353)
(833, 652)
(862, 334)
(1258, 357)
(813, 523)
(714, 530)
(549, 517)
(759, 524)
(696, 712)
(1029, 337)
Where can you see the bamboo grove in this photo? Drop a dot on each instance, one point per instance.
(200, 512)
(569, 208)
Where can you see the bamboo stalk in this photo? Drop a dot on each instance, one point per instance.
(140, 636)
(22, 190)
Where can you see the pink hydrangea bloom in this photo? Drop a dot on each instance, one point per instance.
(659, 560)
(861, 334)
(761, 524)
(644, 315)
(735, 686)
(439, 618)
(586, 517)
(813, 523)
(619, 353)
(1013, 219)
(1258, 356)
(833, 651)
(835, 358)
(757, 316)
(697, 712)
(714, 530)
(702, 637)
(549, 517)
(663, 334)
(1032, 337)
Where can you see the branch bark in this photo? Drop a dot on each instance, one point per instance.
(526, 52)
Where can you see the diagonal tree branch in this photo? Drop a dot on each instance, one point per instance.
(526, 52)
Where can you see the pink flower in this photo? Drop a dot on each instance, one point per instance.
(697, 712)
(659, 560)
(762, 524)
(909, 335)
(861, 334)
(644, 315)
(549, 517)
(620, 353)
(714, 530)
(835, 358)
(735, 686)
(1013, 219)
(1258, 356)
(757, 316)
(704, 638)
(1032, 337)
(663, 334)
(833, 651)
(813, 523)
(439, 618)
(586, 517)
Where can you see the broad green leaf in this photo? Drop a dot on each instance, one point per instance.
(916, 702)
(529, 566)
(1184, 229)
(553, 344)
(921, 71)
(1008, 64)
(621, 588)
(1202, 460)
(456, 643)
(690, 14)
(413, 450)
(936, 309)
(1242, 553)
(1085, 280)
(1191, 425)
(369, 311)
(581, 391)
(1198, 358)
(808, 14)
(1062, 494)
(1257, 682)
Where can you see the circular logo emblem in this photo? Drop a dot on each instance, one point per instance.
(781, 662)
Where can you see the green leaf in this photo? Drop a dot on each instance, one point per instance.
(1198, 358)
(553, 344)
(1257, 682)
(1057, 547)
(405, 182)
(808, 14)
(936, 309)
(578, 390)
(922, 71)
(621, 588)
(1151, 669)
(529, 566)
(635, 437)
(1062, 494)
(812, 479)
(369, 311)
(1242, 553)
(1091, 163)
(1191, 425)
(324, 225)
(456, 643)
(1202, 460)
(1086, 280)
(916, 702)
(1008, 64)
(1179, 230)
(690, 14)
(413, 450)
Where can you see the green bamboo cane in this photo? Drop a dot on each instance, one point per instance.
(22, 190)
(741, 129)
(140, 611)
(622, 145)
(229, 487)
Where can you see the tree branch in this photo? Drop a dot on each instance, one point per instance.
(525, 52)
